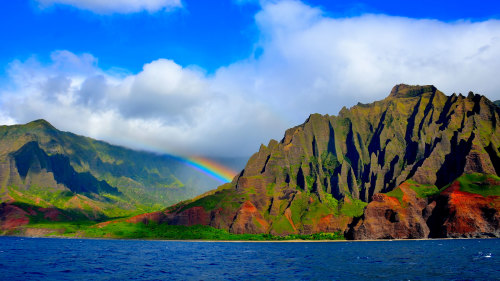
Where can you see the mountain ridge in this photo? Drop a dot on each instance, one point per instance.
(64, 176)
(323, 175)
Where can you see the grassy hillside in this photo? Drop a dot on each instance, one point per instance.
(44, 167)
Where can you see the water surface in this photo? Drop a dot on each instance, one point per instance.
(81, 259)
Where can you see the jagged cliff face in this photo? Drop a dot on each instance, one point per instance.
(323, 173)
(417, 132)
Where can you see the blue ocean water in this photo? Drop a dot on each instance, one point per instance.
(80, 259)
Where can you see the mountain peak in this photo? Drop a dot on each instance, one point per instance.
(40, 123)
(410, 91)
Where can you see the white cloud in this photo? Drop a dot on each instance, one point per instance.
(313, 63)
(116, 6)
(306, 62)
(164, 108)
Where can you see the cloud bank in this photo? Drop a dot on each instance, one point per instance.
(304, 62)
(116, 6)
(164, 108)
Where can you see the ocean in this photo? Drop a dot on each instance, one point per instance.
(87, 259)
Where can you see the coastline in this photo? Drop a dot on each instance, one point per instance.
(248, 241)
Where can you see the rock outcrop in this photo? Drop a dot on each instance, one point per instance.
(452, 212)
(461, 214)
(388, 217)
(12, 217)
(15, 216)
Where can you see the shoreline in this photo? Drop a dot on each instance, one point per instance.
(249, 241)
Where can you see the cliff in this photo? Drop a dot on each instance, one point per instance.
(336, 173)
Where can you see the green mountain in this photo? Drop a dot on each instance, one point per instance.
(45, 170)
(416, 164)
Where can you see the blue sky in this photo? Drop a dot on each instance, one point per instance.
(196, 76)
(209, 34)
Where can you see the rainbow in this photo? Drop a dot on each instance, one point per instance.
(209, 167)
(204, 165)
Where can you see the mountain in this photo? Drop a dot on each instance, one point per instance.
(416, 164)
(58, 175)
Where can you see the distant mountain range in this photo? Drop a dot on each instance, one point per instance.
(44, 170)
(417, 164)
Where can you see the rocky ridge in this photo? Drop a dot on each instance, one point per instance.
(336, 173)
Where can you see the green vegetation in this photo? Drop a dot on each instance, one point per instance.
(478, 184)
(152, 230)
(397, 193)
(485, 185)
(315, 211)
(353, 208)
(329, 162)
(413, 92)
(108, 206)
(309, 181)
(331, 201)
(282, 225)
(69, 229)
(69, 216)
(196, 232)
(221, 198)
(299, 206)
(423, 190)
(270, 189)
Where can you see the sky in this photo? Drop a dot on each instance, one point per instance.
(218, 78)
